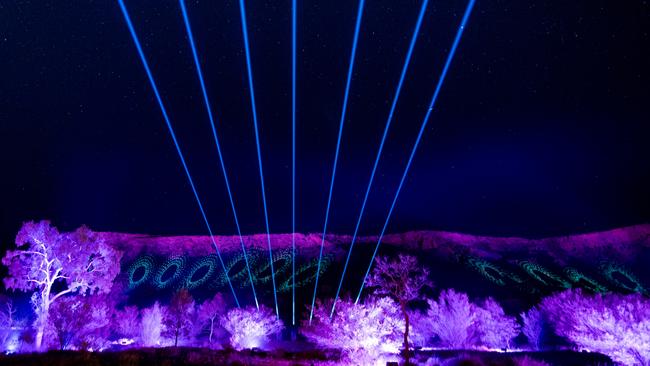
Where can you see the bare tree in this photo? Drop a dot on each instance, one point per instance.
(7, 319)
(178, 318)
(402, 279)
(210, 311)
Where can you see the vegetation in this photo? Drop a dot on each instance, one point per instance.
(69, 275)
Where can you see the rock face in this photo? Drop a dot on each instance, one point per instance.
(623, 244)
(516, 271)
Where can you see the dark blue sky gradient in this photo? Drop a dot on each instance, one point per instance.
(541, 127)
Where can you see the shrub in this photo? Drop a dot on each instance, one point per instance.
(613, 324)
(495, 328)
(249, 327)
(533, 326)
(152, 326)
(453, 319)
(362, 331)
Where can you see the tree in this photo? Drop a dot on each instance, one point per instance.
(495, 328)
(362, 331)
(81, 261)
(250, 327)
(179, 315)
(79, 323)
(7, 321)
(453, 319)
(152, 325)
(126, 322)
(210, 311)
(402, 279)
(533, 326)
(613, 324)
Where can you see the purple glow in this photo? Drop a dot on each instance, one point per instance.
(612, 324)
(362, 331)
(250, 328)
(81, 259)
(453, 319)
(152, 326)
(83, 313)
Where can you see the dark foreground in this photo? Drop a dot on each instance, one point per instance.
(200, 356)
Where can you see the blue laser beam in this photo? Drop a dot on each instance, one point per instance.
(441, 80)
(293, 161)
(338, 145)
(242, 12)
(199, 72)
(407, 61)
(127, 18)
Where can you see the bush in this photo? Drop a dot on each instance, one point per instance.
(612, 324)
(453, 319)
(362, 331)
(495, 328)
(249, 327)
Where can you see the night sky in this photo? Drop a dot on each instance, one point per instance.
(541, 127)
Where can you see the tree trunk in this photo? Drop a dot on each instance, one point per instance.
(211, 328)
(407, 351)
(42, 321)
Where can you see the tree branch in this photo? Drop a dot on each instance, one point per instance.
(64, 292)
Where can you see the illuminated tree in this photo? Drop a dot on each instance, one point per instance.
(453, 319)
(533, 326)
(80, 261)
(152, 325)
(7, 321)
(362, 331)
(250, 327)
(179, 315)
(402, 279)
(495, 329)
(126, 322)
(613, 324)
(210, 311)
(79, 323)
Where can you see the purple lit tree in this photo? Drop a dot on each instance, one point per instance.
(362, 331)
(152, 325)
(452, 318)
(495, 329)
(613, 324)
(80, 261)
(8, 322)
(250, 327)
(401, 279)
(210, 311)
(126, 322)
(79, 322)
(533, 326)
(179, 315)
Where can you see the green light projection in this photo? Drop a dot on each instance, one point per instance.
(610, 269)
(205, 272)
(582, 280)
(144, 263)
(169, 272)
(210, 262)
(538, 272)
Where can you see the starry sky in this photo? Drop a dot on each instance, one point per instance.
(541, 128)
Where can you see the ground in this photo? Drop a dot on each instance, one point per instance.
(200, 356)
